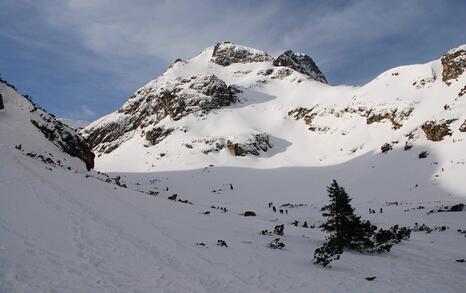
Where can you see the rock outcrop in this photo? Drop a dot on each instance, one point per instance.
(253, 146)
(2, 106)
(437, 130)
(227, 53)
(63, 136)
(301, 63)
(454, 63)
(157, 134)
(176, 99)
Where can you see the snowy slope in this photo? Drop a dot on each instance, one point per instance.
(63, 231)
(30, 130)
(72, 230)
(278, 119)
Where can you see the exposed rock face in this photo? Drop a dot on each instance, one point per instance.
(394, 116)
(299, 112)
(463, 126)
(161, 98)
(454, 63)
(227, 53)
(63, 136)
(372, 118)
(1, 102)
(437, 130)
(156, 135)
(301, 63)
(259, 142)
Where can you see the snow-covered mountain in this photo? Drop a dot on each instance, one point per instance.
(227, 132)
(236, 106)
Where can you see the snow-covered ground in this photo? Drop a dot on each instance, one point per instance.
(64, 229)
(62, 232)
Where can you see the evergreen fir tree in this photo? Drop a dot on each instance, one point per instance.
(349, 231)
(347, 227)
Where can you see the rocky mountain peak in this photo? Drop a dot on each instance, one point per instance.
(199, 112)
(301, 63)
(227, 53)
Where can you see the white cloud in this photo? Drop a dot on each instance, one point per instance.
(162, 29)
(333, 32)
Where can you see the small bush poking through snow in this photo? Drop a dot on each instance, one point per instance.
(278, 230)
(276, 244)
(423, 154)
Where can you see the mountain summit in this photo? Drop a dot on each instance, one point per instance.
(237, 106)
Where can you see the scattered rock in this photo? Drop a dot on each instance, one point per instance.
(370, 278)
(249, 214)
(222, 243)
(437, 130)
(457, 208)
(423, 154)
(407, 146)
(276, 244)
(386, 147)
(462, 91)
(463, 126)
(185, 201)
(265, 72)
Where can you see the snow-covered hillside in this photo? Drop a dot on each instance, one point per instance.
(226, 132)
(249, 110)
(37, 134)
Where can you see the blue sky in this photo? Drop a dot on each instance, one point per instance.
(82, 59)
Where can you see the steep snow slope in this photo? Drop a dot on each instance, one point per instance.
(36, 133)
(66, 230)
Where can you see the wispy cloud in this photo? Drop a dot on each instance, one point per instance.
(170, 29)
